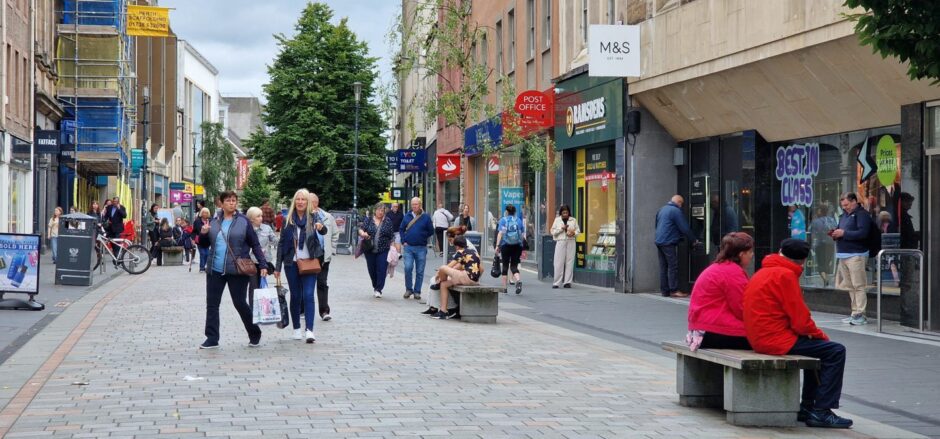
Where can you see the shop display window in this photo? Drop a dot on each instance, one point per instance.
(596, 210)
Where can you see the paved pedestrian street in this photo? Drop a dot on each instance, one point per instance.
(123, 362)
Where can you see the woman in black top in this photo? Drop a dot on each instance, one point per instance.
(464, 219)
(379, 234)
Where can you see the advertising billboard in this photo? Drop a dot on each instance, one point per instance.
(19, 263)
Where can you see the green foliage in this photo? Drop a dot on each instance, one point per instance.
(217, 160)
(907, 29)
(257, 189)
(311, 114)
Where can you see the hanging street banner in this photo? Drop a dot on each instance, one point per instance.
(535, 108)
(46, 142)
(148, 21)
(19, 263)
(242, 176)
(448, 166)
(391, 158)
(614, 50)
(412, 160)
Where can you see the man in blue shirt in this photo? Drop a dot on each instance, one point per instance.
(415, 230)
(852, 252)
(671, 227)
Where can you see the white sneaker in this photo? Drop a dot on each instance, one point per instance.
(848, 319)
(327, 317)
(298, 334)
(859, 320)
(310, 337)
(378, 295)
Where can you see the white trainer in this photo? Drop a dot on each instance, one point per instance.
(327, 317)
(378, 295)
(310, 337)
(298, 334)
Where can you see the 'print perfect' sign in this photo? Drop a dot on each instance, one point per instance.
(796, 167)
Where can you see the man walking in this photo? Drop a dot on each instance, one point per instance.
(442, 219)
(852, 252)
(328, 243)
(115, 217)
(415, 230)
(778, 322)
(671, 227)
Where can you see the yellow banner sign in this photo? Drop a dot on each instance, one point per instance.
(148, 21)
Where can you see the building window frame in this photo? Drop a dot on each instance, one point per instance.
(511, 31)
(584, 21)
(531, 40)
(499, 47)
(546, 25)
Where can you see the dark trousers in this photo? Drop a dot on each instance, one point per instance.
(377, 264)
(439, 234)
(302, 288)
(720, 341)
(822, 388)
(323, 290)
(203, 257)
(668, 269)
(238, 289)
(155, 253)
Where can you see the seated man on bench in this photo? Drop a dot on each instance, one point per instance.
(778, 322)
(463, 269)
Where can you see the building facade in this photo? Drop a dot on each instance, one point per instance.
(198, 102)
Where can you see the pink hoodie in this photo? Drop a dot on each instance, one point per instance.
(717, 303)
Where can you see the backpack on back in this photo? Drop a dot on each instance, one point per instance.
(512, 235)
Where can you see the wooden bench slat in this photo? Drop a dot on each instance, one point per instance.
(741, 359)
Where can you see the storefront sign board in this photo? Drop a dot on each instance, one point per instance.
(888, 159)
(488, 133)
(391, 159)
(19, 263)
(588, 111)
(47, 142)
(412, 160)
(614, 50)
(535, 108)
(448, 167)
(797, 164)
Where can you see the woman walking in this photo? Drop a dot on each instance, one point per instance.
(565, 230)
(229, 239)
(53, 232)
(509, 245)
(716, 309)
(377, 234)
(268, 241)
(150, 223)
(301, 239)
(201, 220)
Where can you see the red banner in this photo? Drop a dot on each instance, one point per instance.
(242, 176)
(448, 166)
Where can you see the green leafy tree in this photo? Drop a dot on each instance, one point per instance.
(217, 161)
(257, 188)
(311, 114)
(907, 29)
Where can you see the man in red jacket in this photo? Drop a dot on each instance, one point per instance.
(778, 322)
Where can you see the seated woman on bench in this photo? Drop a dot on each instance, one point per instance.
(463, 269)
(716, 309)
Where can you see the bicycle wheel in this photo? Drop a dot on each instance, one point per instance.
(135, 259)
(97, 256)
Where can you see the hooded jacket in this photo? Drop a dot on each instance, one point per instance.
(716, 304)
(775, 314)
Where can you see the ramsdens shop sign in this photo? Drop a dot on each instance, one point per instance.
(591, 115)
(588, 111)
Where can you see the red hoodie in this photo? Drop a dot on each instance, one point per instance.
(775, 314)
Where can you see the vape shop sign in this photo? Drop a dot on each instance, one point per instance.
(797, 165)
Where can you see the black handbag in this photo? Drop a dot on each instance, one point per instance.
(497, 270)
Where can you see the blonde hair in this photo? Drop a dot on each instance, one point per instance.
(253, 212)
(303, 192)
(204, 211)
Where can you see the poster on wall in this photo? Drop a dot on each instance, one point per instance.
(19, 263)
(511, 195)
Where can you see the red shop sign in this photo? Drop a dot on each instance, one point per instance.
(535, 108)
(448, 166)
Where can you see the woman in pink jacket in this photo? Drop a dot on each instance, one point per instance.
(716, 315)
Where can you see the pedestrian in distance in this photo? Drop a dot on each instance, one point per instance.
(397, 216)
(164, 239)
(95, 210)
(442, 218)
(329, 250)
(716, 309)
(279, 220)
(509, 245)
(229, 236)
(778, 322)
(105, 211)
(565, 230)
(267, 213)
(201, 219)
(267, 239)
(377, 234)
(177, 211)
(301, 238)
(416, 228)
(52, 232)
(852, 253)
(151, 230)
(465, 219)
(464, 269)
(671, 228)
(115, 218)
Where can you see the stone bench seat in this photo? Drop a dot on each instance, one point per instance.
(754, 389)
(478, 303)
(172, 255)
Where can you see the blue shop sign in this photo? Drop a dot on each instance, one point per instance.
(412, 160)
(489, 132)
(514, 196)
(391, 158)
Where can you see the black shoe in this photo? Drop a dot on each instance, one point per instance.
(567, 285)
(519, 287)
(207, 345)
(804, 413)
(430, 311)
(453, 314)
(435, 287)
(254, 342)
(554, 287)
(440, 315)
(825, 418)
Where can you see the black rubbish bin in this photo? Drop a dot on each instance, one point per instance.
(77, 234)
(547, 266)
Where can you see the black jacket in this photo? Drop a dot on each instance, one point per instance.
(115, 220)
(285, 245)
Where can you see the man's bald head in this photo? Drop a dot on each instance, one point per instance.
(678, 200)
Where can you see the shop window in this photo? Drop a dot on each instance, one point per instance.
(596, 202)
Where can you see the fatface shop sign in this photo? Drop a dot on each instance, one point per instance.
(614, 50)
(797, 165)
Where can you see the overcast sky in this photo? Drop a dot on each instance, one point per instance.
(237, 35)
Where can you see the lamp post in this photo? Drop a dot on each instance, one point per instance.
(357, 88)
(146, 123)
(192, 202)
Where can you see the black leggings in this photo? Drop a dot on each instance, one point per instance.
(721, 341)
(511, 255)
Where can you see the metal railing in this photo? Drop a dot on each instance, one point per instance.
(920, 282)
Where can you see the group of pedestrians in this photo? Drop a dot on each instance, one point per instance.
(111, 219)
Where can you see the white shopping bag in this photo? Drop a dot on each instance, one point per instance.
(266, 310)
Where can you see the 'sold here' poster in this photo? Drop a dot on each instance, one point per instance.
(19, 263)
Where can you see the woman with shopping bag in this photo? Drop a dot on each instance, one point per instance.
(268, 241)
(300, 253)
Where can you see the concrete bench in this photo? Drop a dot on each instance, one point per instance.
(172, 255)
(754, 389)
(478, 303)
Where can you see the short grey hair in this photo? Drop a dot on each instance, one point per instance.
(253, 212)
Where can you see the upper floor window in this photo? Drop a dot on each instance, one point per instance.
(511, 23)
(530, 22)
(584, 21)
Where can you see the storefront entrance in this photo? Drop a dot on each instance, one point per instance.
(933, 217)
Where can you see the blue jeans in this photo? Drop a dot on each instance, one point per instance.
(668, 269)
(203, 256)
(377, 263)
(54, 242)
(302, 287)
(822, 388)
(415, 258)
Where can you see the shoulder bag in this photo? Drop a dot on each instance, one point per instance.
(307, 265)
(244, 266)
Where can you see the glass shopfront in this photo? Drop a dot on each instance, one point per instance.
(595, 207)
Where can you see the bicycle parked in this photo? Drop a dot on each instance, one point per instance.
(133, 258)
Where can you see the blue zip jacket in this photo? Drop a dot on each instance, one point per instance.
(419, 233)
(856, 226)
(671, 225)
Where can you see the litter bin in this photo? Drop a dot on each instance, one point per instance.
(77, 234)
(547, 265)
